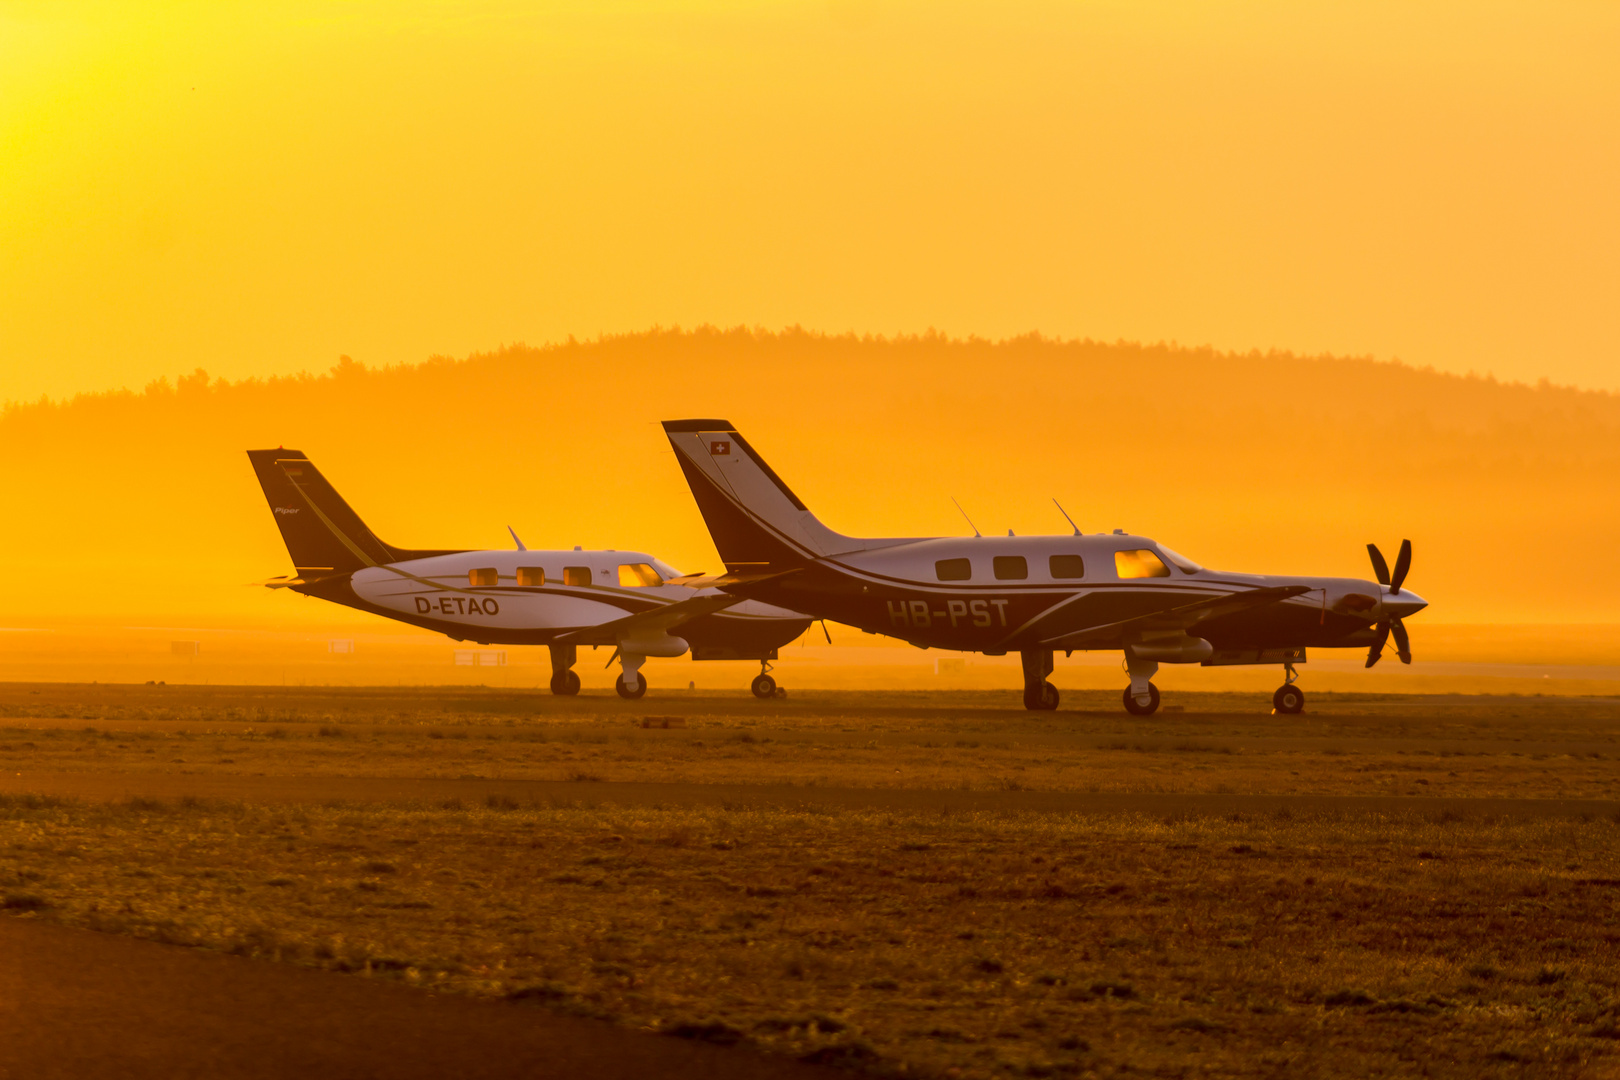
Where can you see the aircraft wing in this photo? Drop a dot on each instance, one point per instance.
(658, 620)
(1177, 618)
(719, 581)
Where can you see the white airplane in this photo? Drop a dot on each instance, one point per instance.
(1029, 594)
(561, 599)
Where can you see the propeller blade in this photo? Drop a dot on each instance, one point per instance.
(1403, 646)
(1377, 649)
(1403, 563)
(1380, 567)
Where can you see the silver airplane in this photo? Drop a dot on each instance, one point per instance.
(1033, 595)
(560, 599)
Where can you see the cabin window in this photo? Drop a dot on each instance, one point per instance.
(1180, 562)
(1067, 566)
(638, 575)
(576, 575)
(953, 569)
(1140, 563)
(531, 577)
(1010, 567)
(483, 578)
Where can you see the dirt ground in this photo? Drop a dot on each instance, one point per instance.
(928, 884)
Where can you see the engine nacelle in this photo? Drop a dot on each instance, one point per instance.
(1173, 650)
(660, 644)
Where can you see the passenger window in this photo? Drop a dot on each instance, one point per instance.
(953, 569)
(1010, 567)
(531, 577)
(1067, 566)
(484, 578)
(576, 575)
(1139, 564)
(638, 575)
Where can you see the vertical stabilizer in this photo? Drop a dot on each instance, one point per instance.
(323, 534)
(755, 519)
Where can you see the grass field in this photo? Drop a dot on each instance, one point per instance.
(1303, 939)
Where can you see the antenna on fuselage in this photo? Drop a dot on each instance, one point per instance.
(515, 539)
(967, 519)
(1066, 517)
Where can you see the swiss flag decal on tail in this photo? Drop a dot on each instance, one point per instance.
(720, 448)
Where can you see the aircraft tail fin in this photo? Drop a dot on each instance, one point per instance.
(755, 519)
(323, 534)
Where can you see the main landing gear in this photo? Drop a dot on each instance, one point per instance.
(564, 682)
(763, 686)
(630, 685)
(1289, 699)
(1141, 697)
(1039, 695)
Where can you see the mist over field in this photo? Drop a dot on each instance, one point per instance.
(143, 503)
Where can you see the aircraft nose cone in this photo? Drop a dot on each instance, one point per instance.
(1404, 603)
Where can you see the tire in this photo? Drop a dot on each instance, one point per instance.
(631, 695)
(1142, 710)
(564, 683)
(763, 687)
(1289, 700)
(1035, 697)
(1049, 697)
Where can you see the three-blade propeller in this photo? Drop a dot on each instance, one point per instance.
(1391, 624)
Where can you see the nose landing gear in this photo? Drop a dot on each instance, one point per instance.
(1289, 699)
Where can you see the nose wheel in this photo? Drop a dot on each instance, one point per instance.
(1289, 699)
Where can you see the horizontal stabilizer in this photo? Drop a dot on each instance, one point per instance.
(659, 620)
(1177, 618)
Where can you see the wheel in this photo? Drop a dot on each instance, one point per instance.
(1042, 698)
(1289, 699)
(627, 693)
(564, 683)
(763, 687)
(1142, 710)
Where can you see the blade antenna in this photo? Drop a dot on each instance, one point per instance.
(1066, 517)
(967, 519)
(515, 538)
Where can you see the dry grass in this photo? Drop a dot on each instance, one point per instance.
(1516, 747)
(970, 945)
(934, 943)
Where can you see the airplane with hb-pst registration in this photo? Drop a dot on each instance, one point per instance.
(560, 599)
(1033, 595)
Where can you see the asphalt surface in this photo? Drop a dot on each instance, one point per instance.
(98, 786)
(78, 1004)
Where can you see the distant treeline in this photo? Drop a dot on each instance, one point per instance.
(1264, 461)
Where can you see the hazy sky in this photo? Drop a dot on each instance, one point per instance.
(258, 188)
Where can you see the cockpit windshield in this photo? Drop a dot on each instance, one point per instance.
(1180, 562)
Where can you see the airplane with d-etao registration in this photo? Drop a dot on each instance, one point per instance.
(1033, 595)
(560, 599)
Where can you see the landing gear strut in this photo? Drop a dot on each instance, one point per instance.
(630, 684)
(1289, 698)
(1039, 695)
(1141, 697)
(763, 685)
(564, 682)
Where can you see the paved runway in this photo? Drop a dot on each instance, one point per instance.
(320, 789)
(78, 1004)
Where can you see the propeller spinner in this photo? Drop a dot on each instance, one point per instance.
(1391, 622)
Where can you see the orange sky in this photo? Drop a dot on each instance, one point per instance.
(258, 188)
